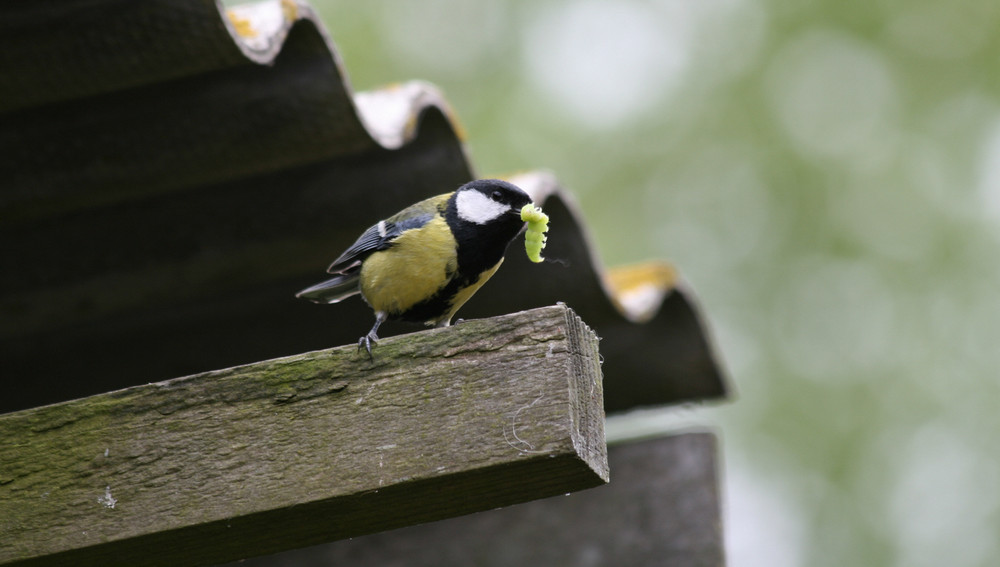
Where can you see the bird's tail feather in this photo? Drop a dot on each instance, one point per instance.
(332, 290)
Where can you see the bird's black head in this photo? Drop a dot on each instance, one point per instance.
(488, 201)
(485, 215)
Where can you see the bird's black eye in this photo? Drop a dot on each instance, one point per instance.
(497, 196)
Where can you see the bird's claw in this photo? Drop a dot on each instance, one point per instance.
(366, 342)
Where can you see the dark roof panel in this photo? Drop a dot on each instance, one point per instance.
(173, 175)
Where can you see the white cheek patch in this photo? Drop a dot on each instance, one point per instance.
(475, 207)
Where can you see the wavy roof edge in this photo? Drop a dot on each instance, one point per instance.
(391, 115)
(392, 118)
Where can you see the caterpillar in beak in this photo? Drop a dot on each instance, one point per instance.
(534, 237)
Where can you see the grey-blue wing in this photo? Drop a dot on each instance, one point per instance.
(377, 237)
(372, 240)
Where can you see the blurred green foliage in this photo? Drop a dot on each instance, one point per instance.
(826, 175)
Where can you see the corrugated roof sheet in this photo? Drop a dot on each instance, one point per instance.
(172, 174)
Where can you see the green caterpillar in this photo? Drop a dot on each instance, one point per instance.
(534, 237)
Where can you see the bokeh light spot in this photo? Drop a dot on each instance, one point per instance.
(604, 62)
(833, 96)
(945, 489)
(944, 30)
(836, 320)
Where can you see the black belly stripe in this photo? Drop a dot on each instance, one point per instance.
(480, 248)
(439, 304)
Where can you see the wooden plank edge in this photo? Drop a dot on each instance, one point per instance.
(182, 497)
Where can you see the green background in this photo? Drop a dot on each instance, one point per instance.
(826, 175)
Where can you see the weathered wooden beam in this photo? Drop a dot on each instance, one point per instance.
(306, 449)
(662, 507)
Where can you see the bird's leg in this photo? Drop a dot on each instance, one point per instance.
(367, 340)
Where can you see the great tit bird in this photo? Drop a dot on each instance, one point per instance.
(424, 262)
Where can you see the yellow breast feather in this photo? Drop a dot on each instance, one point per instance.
(396, 279)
